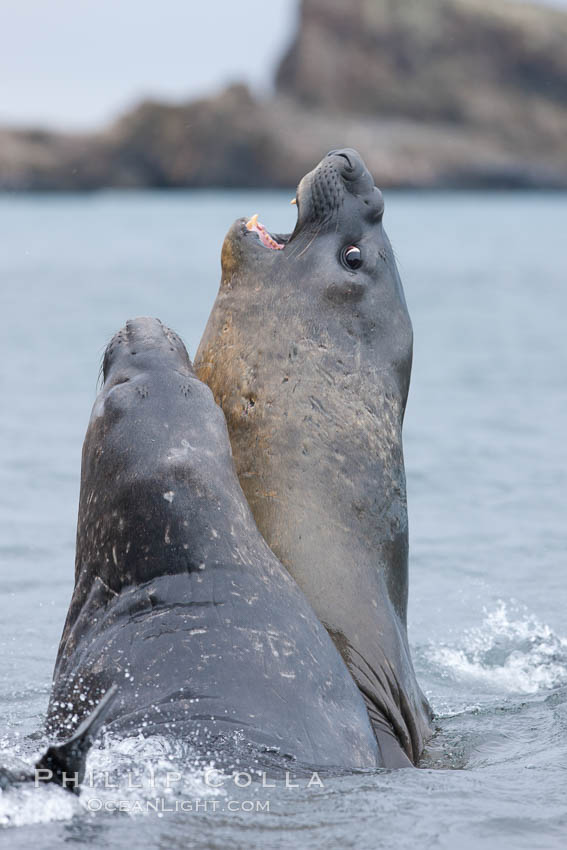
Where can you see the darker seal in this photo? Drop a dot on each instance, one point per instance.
(178, 598)
(308, 351)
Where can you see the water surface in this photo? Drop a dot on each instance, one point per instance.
(486, 455)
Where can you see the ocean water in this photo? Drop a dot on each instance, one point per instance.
(486, 454)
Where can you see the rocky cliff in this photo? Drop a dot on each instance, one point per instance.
(433, 93)
(480, 62)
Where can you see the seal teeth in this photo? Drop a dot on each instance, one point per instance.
(254, 226)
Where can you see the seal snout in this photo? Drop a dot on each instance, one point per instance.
(348, 163)
(340, 178)
(352, 158)
(143, 343)
(352, 168)
(145, 330)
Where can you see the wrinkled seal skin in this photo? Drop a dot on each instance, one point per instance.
(177, 597)
(310, 362)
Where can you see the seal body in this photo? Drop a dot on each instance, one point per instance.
(178, 599)
(308, 351)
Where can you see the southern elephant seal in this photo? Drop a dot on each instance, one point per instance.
(178, 598)
(308, 351)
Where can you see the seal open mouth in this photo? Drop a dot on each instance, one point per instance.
(273, 241)
(254, 226)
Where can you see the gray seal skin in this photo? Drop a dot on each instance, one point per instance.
(65, 763)
(178, 598)
(308, 351)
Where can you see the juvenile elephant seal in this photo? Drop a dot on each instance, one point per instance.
(308, 351)
(177, 597)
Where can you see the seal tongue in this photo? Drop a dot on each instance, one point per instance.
(254, 226)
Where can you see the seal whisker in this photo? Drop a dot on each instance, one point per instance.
(310, 243)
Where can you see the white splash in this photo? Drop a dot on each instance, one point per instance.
(141, 769)
(509, 652)
(26, 805)
(132, 771)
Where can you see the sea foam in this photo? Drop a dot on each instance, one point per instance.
(510, 651)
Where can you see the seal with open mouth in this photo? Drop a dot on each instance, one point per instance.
(308, 351)
(178, 598)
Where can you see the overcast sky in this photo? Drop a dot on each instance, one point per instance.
(79, 63)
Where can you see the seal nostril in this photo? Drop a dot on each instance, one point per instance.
(343, 155)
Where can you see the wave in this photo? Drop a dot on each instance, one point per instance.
(512, 652)
(141, 774)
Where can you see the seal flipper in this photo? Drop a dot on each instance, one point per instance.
(392, 755)
(65, 763)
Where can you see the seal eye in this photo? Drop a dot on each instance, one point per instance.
(352, 257)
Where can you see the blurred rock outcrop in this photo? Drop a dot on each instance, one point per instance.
(433, 92)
